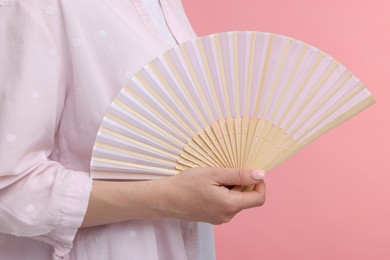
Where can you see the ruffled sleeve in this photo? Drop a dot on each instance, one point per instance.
(39, 198)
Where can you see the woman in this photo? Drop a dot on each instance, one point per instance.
(61, 65)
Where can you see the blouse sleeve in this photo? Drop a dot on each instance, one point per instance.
(39, 198)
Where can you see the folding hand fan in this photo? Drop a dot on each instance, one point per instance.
(236, 99)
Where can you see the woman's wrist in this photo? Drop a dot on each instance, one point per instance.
(115, 201)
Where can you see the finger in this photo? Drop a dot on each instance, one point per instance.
(235, 177)
(250, 199)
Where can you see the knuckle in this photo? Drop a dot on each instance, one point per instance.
(261, 201)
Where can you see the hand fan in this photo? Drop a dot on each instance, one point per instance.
(235, 99)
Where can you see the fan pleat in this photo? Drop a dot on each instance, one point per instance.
(235, 99)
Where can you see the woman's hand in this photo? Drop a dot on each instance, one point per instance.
(200, 194)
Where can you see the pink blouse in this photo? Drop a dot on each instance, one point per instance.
(61, 64)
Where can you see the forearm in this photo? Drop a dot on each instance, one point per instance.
(197, 195)
(115, 201)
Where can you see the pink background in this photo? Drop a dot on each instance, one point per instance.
(332, 200)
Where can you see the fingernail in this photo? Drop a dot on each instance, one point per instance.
(258, 175)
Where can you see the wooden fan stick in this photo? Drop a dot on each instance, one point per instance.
(280, 143)
(135, 165)
(331, 111)
(342, 118)
(166, 85)
(236, 138)
(138, 143)
(204, 100)
(139, 77)
(135, 154)
(194, 77)
(325, 99)
(214, 133)
(300, 88)
(209, 78)
(146, 120)
(200, 149)
(262, 135)
(184, 135)
(254, 126)
(271, 134)
(263, 75)
(211, 136)
(325, 76)
(194, 159)
(193, 148)
(214, 94)
(245, 119)
(223, 126)
(209, 155)
(288, 84)
(200, 152)
(244, 138)
(276, 78)
(148, 135)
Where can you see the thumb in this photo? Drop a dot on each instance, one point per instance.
(233, 177)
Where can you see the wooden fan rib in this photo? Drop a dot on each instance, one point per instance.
(209, 78)
(217, 46)
(206, 140)
(227, 136)
(222, 124)
(211, 151)
(163, 171)
(193, 157)
(289, 82)
(276, 77)
(245, 119)
(209, 139)
(183, 164)
(259, 140)
(337, 106)
(263, 75)
(368, 101)
(324, 77)
(250, 71)
(314, 66)
(114, 174)
(147, 121)
(221, 156)
(201, 153)
(324, 100)
(195, 79)
(139, 144)
(215, 135)
(253, 125)
(165, 104)
(148, 135)
(236, 136)
(123, 152)
(226, 129)
(278, 143)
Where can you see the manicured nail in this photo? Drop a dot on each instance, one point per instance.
(258, 175)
